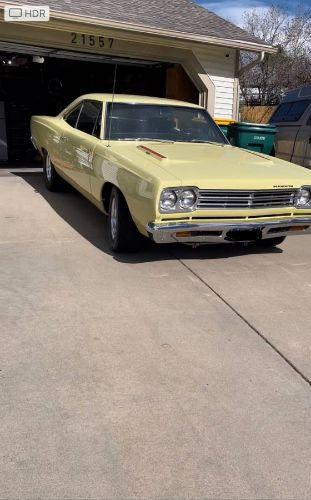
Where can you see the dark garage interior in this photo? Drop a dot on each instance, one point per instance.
(31, 85)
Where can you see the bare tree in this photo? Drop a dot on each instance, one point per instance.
(291, 66)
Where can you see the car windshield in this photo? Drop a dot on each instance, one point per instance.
(135, 122)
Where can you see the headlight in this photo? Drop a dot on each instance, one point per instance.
(187, 199)
(178, 199)
(303, 198)
(168, 200)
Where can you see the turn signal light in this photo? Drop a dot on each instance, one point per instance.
(298, 228)
(183, 234)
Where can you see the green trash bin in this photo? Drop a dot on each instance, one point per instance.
(253, 136)
(224, 129)
(223, 125)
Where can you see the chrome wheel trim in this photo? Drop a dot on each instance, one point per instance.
(48, 168)
(113, 218)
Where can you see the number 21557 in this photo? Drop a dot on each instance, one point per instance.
(91, 40)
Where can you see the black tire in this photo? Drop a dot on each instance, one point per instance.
(123, 235)
(52, 180)
(271, 242)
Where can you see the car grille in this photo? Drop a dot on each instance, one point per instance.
(267, 198)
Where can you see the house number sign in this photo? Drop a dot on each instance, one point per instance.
(95, 41)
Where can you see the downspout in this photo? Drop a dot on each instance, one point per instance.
(250, 65)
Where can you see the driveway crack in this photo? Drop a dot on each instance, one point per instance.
(248, 323)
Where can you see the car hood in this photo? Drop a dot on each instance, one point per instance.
(216, 166)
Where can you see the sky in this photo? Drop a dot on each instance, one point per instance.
(233, 9)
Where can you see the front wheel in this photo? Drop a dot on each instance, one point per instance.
(123, 235)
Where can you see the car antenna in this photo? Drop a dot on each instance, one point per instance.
(112, 102)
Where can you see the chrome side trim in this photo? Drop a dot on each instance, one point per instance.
(217, 232)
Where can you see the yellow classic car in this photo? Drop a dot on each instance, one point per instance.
(163, 169)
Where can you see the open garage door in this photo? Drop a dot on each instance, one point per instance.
(36, 80)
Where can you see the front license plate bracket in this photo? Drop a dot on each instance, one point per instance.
(243, 235)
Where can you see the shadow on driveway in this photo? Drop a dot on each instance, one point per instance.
(88, 221)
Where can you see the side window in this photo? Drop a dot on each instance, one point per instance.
(98, 124)
(297, 110)
(73, 116)
(280, 113)
(90, 118)
(290, 111)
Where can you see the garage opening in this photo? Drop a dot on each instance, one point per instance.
(32, 84)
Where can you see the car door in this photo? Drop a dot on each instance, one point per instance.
(62, 152)
(289, 118)
(82, 142)
(286, 133)
(301, 155)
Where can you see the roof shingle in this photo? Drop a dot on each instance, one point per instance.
(183, 16)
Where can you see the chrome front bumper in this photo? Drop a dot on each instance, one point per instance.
(201, 233)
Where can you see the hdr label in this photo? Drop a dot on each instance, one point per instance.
(26, 13)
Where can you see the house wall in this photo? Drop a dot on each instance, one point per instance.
(212, 69)
(220, 63)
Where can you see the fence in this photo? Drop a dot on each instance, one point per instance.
(256, 114)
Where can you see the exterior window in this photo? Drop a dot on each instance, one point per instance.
(297, 110)
(73, 116)
(138, 122)
(290, 111)
(98, 124)
(90, 118)
(281, 113)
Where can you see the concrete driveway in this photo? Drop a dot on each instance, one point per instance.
(173, 373)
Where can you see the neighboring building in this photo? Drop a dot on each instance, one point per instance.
(166, 48)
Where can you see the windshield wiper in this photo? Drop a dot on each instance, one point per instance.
(208, 142)
(202, 142)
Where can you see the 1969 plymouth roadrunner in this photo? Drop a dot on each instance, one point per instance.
(163, 169)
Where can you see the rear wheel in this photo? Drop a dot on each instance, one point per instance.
(51, 178)
(123, 235)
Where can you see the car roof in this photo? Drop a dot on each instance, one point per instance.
(136, 99)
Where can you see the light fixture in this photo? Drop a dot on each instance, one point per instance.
(38, 59)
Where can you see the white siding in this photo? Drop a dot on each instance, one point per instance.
(219, 64)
